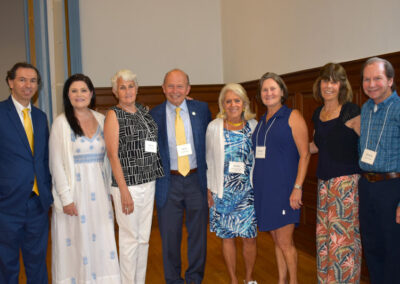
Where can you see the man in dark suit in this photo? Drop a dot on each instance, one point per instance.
(25, 195)
(183, 189)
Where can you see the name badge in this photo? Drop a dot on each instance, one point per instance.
(260, 152)
(184, 150)
(368, 156)
(236, 167)
(150, 146)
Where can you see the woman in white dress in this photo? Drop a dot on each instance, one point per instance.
(82, 223)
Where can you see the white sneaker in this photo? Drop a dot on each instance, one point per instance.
(250, 282)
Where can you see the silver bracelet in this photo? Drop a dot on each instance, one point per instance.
(298, 186)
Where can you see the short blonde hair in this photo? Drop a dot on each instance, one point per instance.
(126, 75)
(241, 92)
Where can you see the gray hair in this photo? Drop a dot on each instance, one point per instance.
(126, 75)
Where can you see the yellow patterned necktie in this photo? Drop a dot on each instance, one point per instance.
(183, 161)
(29, 134)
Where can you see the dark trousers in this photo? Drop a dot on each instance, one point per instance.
(185, 195)
(380, 234)
(28, 233)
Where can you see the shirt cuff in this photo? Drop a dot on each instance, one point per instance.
(66, 198)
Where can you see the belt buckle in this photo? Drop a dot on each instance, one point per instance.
(372, 177)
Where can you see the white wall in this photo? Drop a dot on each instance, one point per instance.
(219, 41)
(12, 40)
(292, 35)
(151, 37)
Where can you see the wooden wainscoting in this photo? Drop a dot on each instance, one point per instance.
(153, 95)
(300, 97)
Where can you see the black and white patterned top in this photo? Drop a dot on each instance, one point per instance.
(137, 165)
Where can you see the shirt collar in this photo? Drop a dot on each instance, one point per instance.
(20, 107)
(383, 104)
(171, 107)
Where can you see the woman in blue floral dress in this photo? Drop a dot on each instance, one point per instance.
(230, 162)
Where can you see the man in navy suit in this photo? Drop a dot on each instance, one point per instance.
(176, 193)
(25, 195)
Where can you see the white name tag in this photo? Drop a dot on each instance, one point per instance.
(150, 146)
(368, 156)
(236, 167)
(184, 150)
(260, 152)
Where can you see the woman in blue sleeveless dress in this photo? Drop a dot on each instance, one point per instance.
(230, 160)
(280, 142)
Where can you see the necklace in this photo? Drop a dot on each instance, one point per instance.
(127, 109)
(234, 124)
(330, 114)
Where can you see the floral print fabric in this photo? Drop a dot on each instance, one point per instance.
(338, 233)
(233, 215)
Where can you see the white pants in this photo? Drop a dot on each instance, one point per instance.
(134, 232)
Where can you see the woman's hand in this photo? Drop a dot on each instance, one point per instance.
(355, 124)
(295, 199)
(210, 199)
(111, 137)
(70, 209)
(300, 136)
(313, 148)
(126, 201)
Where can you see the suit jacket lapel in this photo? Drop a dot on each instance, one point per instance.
(194, 121)
(163, 130)
(14, 117)
(163, 116)
(37, 129)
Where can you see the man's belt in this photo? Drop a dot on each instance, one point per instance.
(374, 177)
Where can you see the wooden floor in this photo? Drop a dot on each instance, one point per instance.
(265, 270)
